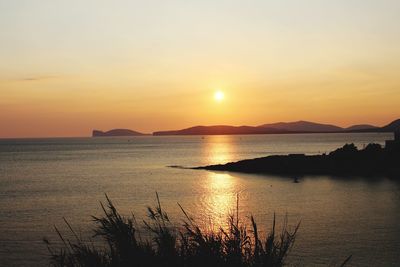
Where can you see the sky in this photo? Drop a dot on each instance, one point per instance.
(67, 67)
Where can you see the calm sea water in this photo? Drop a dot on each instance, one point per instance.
(43, 180)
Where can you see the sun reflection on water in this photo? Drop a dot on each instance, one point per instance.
(218, 149)
(219, 199)
(219, 189)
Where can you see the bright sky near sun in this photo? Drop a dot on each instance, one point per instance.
(219, 96)
(67, 67)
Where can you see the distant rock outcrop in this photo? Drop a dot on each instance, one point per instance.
(116, 132)
(373, 160)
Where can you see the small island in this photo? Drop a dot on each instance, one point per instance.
(373, 160)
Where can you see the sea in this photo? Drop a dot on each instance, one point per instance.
(44, 181)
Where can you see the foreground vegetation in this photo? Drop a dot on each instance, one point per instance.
(239, 245)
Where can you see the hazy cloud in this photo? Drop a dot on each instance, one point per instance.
(35, 78)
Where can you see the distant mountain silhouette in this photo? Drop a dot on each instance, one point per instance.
(360, 127)
(271, 128)
(304, 126)
(392, 127)
(221, 129)
(116, 132)
(280, 128)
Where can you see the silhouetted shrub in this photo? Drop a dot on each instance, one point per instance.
(347, 150)
(373, 148)
(238, 245)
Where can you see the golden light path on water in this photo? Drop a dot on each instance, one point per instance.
(220, 189)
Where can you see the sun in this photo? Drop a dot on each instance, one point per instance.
(219, 96)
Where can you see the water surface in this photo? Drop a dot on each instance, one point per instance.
(43, 180)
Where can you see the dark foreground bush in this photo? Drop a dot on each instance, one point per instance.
(237, 245)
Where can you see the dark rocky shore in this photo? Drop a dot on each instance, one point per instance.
(373, 160)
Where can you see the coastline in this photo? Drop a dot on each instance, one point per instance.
(373, 160)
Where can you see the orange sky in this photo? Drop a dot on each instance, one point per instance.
(68, 68)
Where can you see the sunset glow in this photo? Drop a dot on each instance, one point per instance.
(232, 121)
(152, 66)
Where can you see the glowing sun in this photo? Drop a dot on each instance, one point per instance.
(219, 96)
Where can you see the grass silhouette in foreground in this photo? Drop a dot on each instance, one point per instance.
(237, 245)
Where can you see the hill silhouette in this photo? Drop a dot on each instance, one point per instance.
(303, 126)
(394, 126)
(280, 128)
(116, 132)
(271, 128)
(361, 127)
(221, 129)
(391, 127)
